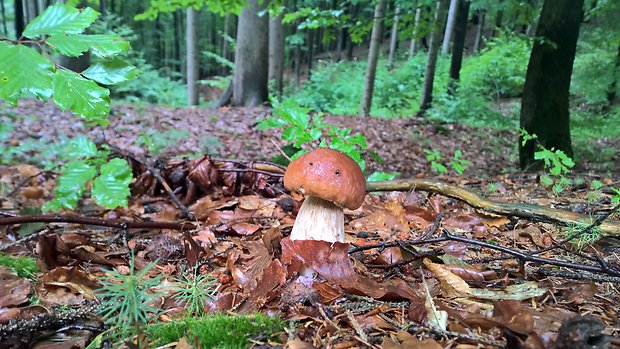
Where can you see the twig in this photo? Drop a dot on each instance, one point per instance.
(585, 230)
(603, 267)
(531, 211)
(22, 183)
(114, 223)
(250, 170)
(27, 238)
(185, 213)
(430, 230)
(578, 276)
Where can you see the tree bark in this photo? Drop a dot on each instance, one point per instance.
(431, 61)
(192, 56)
(250, 80)
(544, 106)
(479, 31)
(612, 90)
(6, 31)
(225, 41)
(452, 14)
(414, 41)
(373, 55)
(458, 46)
(276, 52)
(19, 18)
(393, 38)
(310, 43)
(177, 41)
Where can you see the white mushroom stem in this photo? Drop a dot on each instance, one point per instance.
(319, 219)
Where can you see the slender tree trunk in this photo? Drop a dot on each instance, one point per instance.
(276, 52)
(310, 43)
(250, 80)
(373, 55)
(339, 44)
(479, 31)
(6, 31)
(452, 14)
(458, 46)
(431, 61)
(393, 38)
(544, 106)
(297, 67)
(192, 56)
(225, 41)
(414, 41)
(19, 18)
(177, 41)
(612, 90)
(354, 13)
(103, 4)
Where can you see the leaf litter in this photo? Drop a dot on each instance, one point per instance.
(393, 295)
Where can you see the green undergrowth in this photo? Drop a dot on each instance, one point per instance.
(23, 266)
(218, 331)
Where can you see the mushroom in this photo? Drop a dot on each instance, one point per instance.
(330, 180)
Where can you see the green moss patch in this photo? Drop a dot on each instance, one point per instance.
(22, 265)
(219, 331)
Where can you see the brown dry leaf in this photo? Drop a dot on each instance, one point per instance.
(386, 220)
(331, 261)
(58, 283)
(493, 220)
(451, 283)
(243, 228)
(531, 232)
(408, 341)
(205, 237)
(247, 262)
(183, 344)
(514, 316)
(297, 344)
(13, 289)
(471, 274)
(464, 222)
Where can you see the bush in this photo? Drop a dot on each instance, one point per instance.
(499, 70)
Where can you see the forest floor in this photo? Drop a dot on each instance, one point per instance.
(424, 265)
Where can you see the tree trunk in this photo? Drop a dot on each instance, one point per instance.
(373, 55)
(177, 41)
(192, 56)
(250, 80)
(393, 38)
(458, 46)
(612, 90)
(225, 41)
(479, 31)
(544, 106)
(414, 41)
(103, 7)
(19, 18)
(340, 44)
(297, 67)
(276, 52)
(431, 61)
(6, 31)
(452, 14)
(310, 43)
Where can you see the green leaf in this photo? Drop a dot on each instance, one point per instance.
(70, 186)
(61, 19)
(100, 45)
(271, 122)
(83, 97)
(82, 147)
(457, 167)
(111, 188)
(111, 72)
(23, 70)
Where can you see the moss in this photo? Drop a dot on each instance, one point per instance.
(22, 265)
(218, 331)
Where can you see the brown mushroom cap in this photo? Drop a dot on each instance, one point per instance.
(328, 174)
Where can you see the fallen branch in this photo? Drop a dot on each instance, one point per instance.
(531, 211)
(113, 223)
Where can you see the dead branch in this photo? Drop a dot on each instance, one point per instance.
(530, 211)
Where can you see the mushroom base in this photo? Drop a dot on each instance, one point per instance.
(319, 219)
